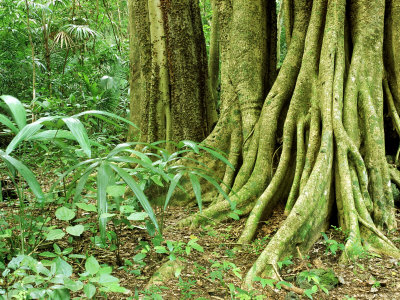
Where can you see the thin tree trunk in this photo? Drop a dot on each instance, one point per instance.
(33, 57)
(213, 61)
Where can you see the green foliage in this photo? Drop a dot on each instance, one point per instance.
(28, 278)
(185, 287)
(285, 262)
(67, 40)
(314, 279)
(114, 171)
(206, 17)
(238, 293)
(220, 269)
(332, 246)
(258, 245)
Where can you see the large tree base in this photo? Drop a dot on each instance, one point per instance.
(331, 151)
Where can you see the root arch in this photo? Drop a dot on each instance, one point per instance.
(333, 150)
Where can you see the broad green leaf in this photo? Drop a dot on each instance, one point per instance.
(62, 267)
(309, 292)
(157, 180)
(113, 287)
(234, 216)
(126, 209)
(58, 294)
(55, 234)
(116, 190)
(138, 193)
(17, 110)
(171, 189)
(105, 270)
(86, 207)
(160, 249)
(107, 215)
(139, 257)
(6, 121)
(64, 213)
(196, 189)
(76, 230)
(92, 266)
(26, 174)
(90, 290)
(79, 132)
(195, 246)
(73, 285)
(137, 216)
(107, 279)
(265, 281)
(102, 183)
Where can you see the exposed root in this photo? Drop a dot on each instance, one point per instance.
(333, 132)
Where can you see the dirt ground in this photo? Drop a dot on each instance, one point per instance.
(370, 277)
(215, 272)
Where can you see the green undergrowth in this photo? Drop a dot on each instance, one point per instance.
(41, 221)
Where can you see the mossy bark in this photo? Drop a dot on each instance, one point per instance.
(172, 93)
(316, 141)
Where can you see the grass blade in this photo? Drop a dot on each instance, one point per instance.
(7, 122)
(105, 113)
(26, 174)
(172, 186)
(79, 132)
(103, 180)
(215, 184)
(196, 188)
(138, 192)
(218, 156)
(26, 132)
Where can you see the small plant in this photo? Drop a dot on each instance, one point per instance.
(219, 269)
(186, 288)
(287, 261)
(175, 249)
(28, 278)
(265, 281)
(154, 166)
(238, 293)
(332, 246)
(154, 293)
(311, 291)
(259, 244)
(313, 280)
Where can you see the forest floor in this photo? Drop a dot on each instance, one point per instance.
(213, 269)
(214, 273)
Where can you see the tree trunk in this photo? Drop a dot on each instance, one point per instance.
(314, 141)
(213, 61)
(173, 90)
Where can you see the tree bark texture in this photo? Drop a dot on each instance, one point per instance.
(171, 97)
(310, 138)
